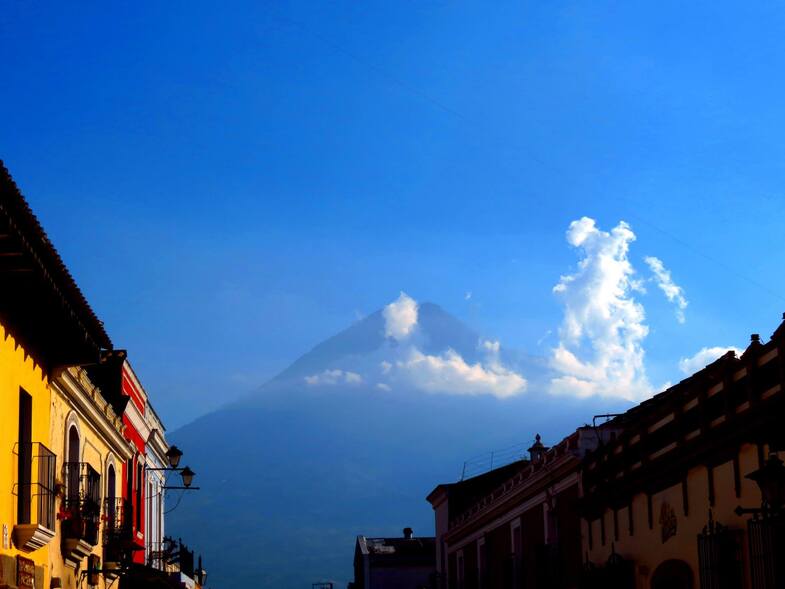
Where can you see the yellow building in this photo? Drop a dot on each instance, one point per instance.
(27, 467)
(672, 502)
(46, 326)
(87, 438)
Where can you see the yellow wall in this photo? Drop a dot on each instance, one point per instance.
(95, 451)
(646, 548)
(51, 410)
(18, 370)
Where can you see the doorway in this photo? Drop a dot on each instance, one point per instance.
(672, 574)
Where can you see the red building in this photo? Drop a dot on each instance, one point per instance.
(137, 432)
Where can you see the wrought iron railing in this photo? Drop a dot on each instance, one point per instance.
(164, 556)
(35, 489)
(117, 516)
(719, 558)
(81, 513)
(766, 533)
(173, 556)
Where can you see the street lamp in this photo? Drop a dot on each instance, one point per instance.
(188, 476)
(173, 455)
(770, 478)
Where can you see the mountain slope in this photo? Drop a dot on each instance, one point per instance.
(291, 474)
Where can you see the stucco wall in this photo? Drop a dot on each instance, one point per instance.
(19, 370)
(646, 546)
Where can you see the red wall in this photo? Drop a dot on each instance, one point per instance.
(135, 437)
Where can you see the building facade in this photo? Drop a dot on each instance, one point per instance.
(156, 462)
(137, 431)
(673, 502)
(81, 496)
(394, 563)
(47, 326)
(87, 439)
(518, 525)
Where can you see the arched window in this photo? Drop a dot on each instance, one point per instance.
(73, 461)
(111, 491)
(111, 484)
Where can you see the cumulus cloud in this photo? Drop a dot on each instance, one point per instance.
(600, 349)
(673, 292)
(333, 377)
(705, 357)
(446, 372)
(382, 386)
(400, 317)
(450, 373)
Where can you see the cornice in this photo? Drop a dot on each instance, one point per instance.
(129, 371)
(519, 486)
(73, 384)
(136, 417)
(157, 443)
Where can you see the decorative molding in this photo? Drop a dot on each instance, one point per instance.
(74, 551)
(30, 537)
(69, 385)
(137, 420)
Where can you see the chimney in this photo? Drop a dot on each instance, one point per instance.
(408, 533)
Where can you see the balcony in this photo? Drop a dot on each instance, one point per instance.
(118, 536)
(35, 496)
(177, 561)
(81, 511)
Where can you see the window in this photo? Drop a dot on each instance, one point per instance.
(111, 499)
(481, 563)
(35, 472)
(517, 553)
(149, 526)
(72, 468)
(139, 488)
(25, 457)
(111, 483)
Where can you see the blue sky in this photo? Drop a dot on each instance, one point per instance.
(233, 183)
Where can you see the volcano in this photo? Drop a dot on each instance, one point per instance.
(349, 439)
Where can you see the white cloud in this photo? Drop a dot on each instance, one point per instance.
(382, 386)
(492, 347)
(600, 350)
(467, 296)
(673, 292)
(385, 366)
(703, 358)
(352, 377)
(400, 317)
(450, 373)
(333, 377)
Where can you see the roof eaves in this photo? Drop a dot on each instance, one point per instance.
(33, 233)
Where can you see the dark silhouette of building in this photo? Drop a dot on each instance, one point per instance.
(394, 563)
